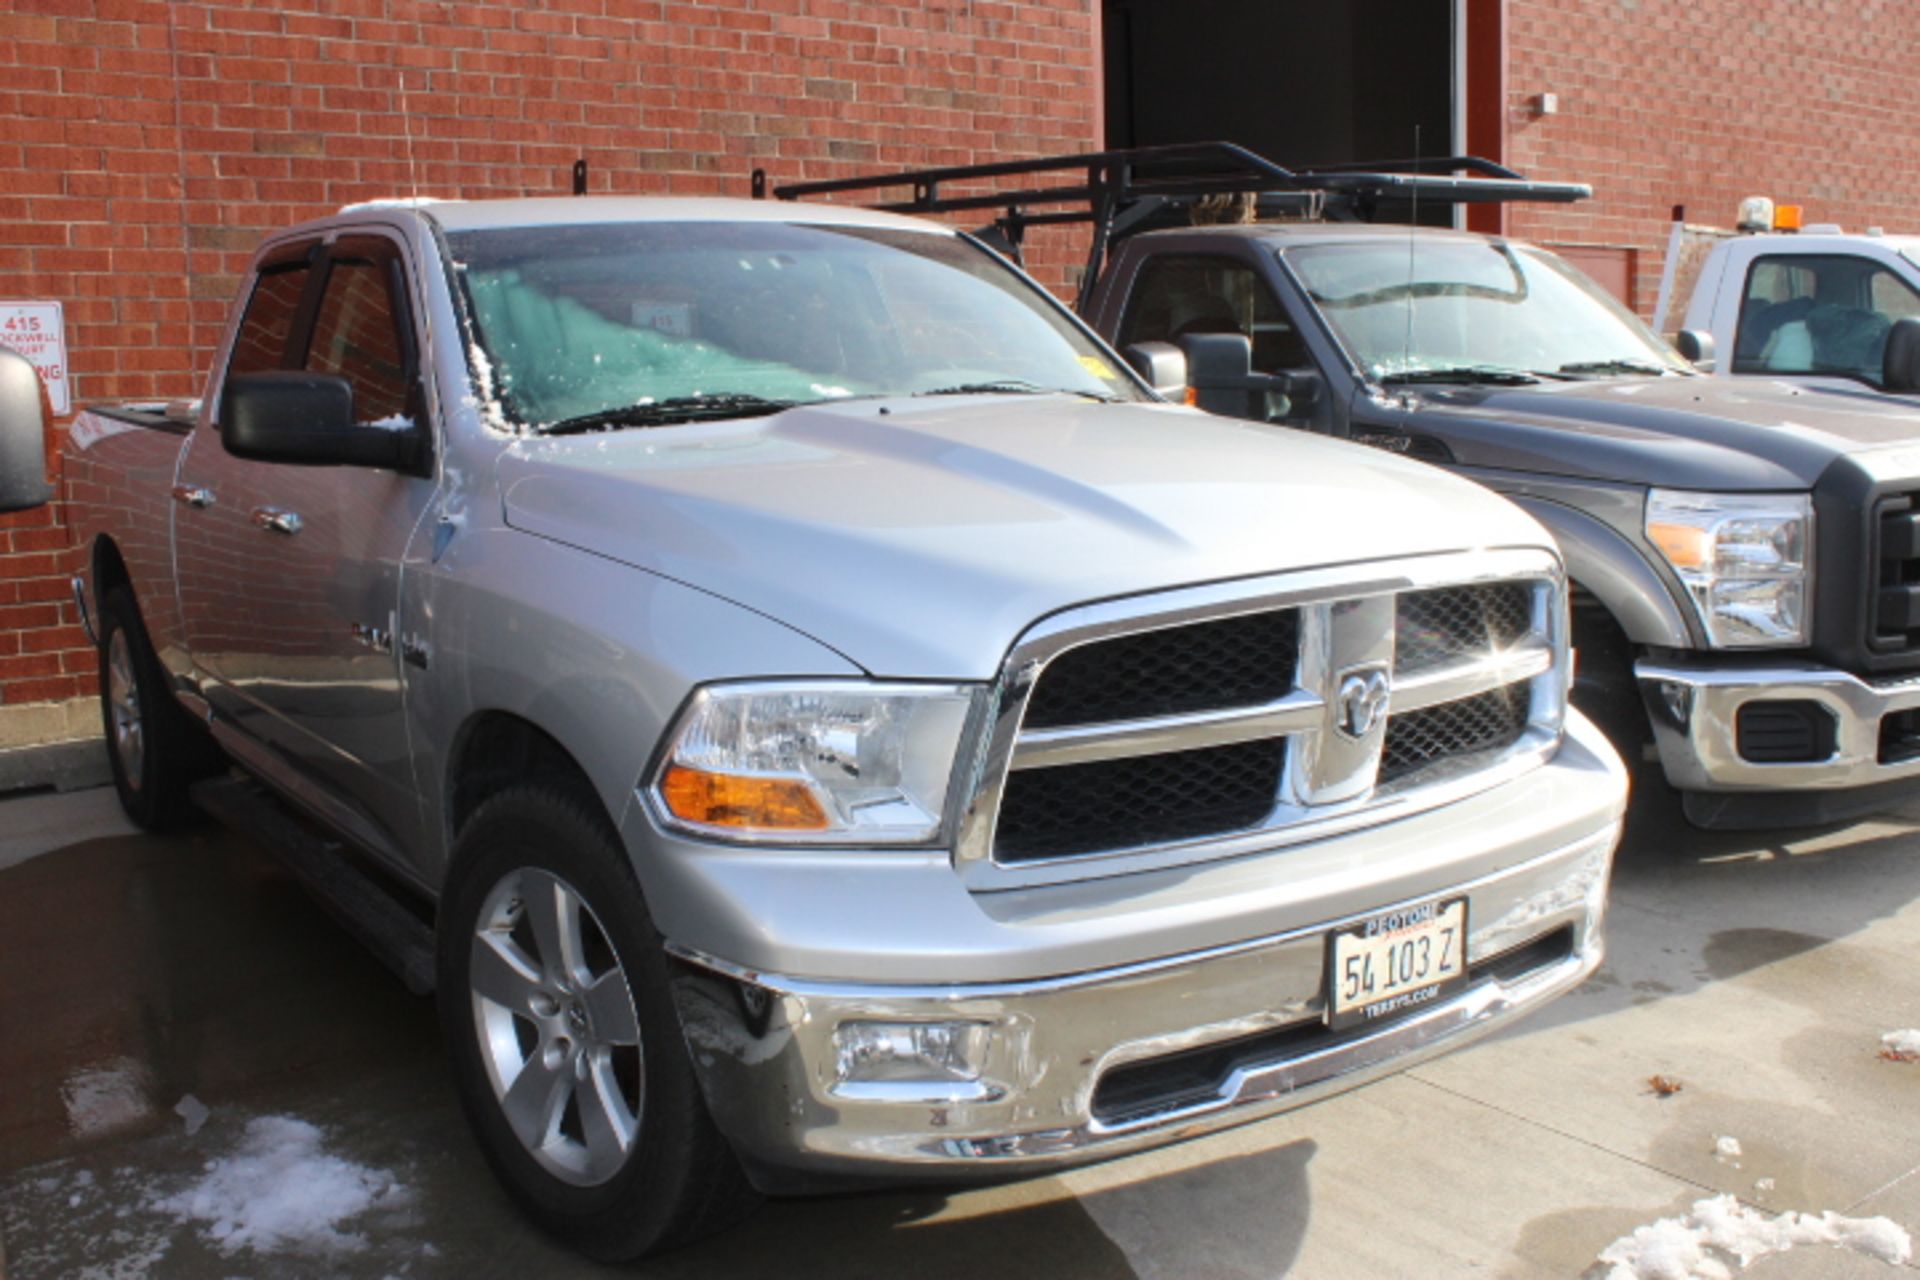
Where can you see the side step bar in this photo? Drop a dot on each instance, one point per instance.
(399, 938)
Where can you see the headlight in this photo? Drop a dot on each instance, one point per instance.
(827, 763)
(1743, 558)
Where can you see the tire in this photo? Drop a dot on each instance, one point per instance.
(154, 749)
(609, 1146)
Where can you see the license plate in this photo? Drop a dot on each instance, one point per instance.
(1395, 961)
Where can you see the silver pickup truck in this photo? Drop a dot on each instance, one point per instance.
(821, 718)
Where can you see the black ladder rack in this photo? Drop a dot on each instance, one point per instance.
(1119, 192)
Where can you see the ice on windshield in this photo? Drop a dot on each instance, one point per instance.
(1424, 304)
(576, 320)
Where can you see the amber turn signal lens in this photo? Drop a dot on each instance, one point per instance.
(728, 800)
(1684, 545)
(1192, 397)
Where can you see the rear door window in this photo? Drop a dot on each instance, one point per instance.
(267, 325)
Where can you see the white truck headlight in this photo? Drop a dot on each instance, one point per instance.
(1744, 558)
(824, 763)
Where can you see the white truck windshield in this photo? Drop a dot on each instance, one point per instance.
(646, 322)
(1404, 309)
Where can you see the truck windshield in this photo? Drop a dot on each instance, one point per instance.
(646, 323)
(1424, 308)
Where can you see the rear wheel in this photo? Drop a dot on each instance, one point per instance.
(155, 750)
(554, 998)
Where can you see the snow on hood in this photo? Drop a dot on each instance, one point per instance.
(921, 537)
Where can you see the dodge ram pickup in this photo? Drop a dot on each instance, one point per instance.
(814, 716)
(1745, 557)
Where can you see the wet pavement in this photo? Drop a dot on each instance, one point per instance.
(1757, 973)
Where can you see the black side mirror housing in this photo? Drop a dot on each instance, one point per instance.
(1220, 371)
(1900, 366)
(1697, 346)
(307, 419)
(1162, 364)
(23, 429)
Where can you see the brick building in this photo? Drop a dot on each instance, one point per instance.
(144, 144)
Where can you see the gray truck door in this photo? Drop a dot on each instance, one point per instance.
(290, 576)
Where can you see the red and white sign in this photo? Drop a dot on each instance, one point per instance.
(37, 331)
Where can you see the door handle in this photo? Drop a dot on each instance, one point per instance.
(193, 495)
(274, 520)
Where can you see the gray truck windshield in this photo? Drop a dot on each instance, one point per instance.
(642, 323)
(1404, 308)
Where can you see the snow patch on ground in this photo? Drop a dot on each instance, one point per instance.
(280, 1190)
(1904, 1045)
(108, 1096)
(1726, 1148)
(1721, 1236)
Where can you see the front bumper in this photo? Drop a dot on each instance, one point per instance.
(1100, 1063)
(1695, 713)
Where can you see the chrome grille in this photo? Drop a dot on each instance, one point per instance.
(1202, 722)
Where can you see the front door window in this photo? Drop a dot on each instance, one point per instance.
(1819, 313)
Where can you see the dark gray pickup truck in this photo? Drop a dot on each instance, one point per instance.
(1745, 556)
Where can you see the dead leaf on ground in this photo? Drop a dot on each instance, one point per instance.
(1664, 1086)
(1891, 1054)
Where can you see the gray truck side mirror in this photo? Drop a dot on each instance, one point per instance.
(1900, 367)
(1163, 365)
(23, 428)
(1697, 347)
(1220, 371)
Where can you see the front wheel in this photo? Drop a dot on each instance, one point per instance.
(554, 999)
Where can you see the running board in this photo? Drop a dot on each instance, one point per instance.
(396, 936)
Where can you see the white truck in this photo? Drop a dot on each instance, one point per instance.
(1818, 306)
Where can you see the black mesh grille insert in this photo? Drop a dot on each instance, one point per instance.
(1450, 624)
(1118, 804)
(1483, 722)
(1232, 662)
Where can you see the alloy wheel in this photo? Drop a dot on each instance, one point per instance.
(558, 1031)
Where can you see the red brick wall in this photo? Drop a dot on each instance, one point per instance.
(144, 146)
(1701, 102)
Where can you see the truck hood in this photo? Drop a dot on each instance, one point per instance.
(920, 537)
(1699, 433)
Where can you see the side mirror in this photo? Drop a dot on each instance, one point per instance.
(1900, 367)
(23, 429)
(1697, 346)
(1163, 365)
(1220, 371)
(306, 419)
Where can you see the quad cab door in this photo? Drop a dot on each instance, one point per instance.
(290, 575)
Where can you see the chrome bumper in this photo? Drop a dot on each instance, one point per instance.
(1695, 720)
(765, 1045)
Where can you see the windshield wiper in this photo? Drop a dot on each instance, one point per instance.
(660, 413)
(1614, 366)
(1019, 386)
(1484, 373)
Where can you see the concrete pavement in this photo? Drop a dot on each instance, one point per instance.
(1757, 972)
